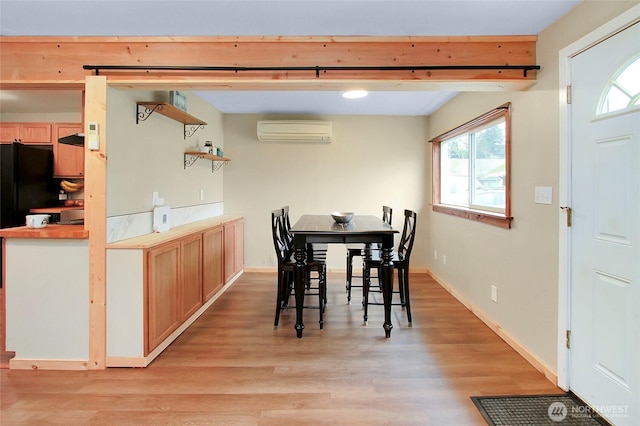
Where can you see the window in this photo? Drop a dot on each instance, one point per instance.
(471, 169)
(623, 91)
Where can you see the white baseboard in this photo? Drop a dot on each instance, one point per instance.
(520, 349)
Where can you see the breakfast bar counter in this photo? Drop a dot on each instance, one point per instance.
(64, 232)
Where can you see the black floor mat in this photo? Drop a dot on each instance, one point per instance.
(538, 410)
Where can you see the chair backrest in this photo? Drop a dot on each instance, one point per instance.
(287, 226)
(408, 235)
(387, 212)
(278, 233)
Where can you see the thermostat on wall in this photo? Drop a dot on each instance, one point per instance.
(93, 138)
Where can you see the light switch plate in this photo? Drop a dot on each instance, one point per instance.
(544, 195)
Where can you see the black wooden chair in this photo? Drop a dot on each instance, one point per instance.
(358, 250)
(400, 260)
(284, 252)
(314, 251)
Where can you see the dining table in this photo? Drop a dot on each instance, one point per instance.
(365, 229)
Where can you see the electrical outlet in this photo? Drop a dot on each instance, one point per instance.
(444, 259)
(202, 195)
(494, 293)
(435, 254)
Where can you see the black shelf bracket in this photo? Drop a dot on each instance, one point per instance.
(190, 159)
(189, 132)
(144, 112)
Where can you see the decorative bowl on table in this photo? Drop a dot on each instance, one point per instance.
(342, 217)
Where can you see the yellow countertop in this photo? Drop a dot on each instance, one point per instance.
(51, 231)
(150, 240)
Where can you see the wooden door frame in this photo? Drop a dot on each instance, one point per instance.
(566, 55)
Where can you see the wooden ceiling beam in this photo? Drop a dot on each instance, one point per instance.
(58, 61)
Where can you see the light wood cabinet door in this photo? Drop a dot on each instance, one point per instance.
(163, 284)
(68, 160)
(233, 248)
(229, 250)
(9, 132)
(33, 133)
(212, 262)
(239, 246)
(191, 280)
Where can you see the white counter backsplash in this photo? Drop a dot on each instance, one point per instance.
(133, 225)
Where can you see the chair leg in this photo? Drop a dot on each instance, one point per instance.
(401, 287)
(322, 295)
(280, 296)
(288, 288)
(406, 293)
(324, 287)
(366, 282)
(347, 284)
(349, 275)
(363, 279)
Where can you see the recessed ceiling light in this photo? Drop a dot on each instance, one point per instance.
(354, 94)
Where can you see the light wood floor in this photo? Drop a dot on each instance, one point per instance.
(231, 367)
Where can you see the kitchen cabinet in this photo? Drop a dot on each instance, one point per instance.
(233, 248)
(158, 284)
(9, 132)
(31, 133)
(174, 286)
(163, 285)
(190, 294)
(68, 160)
(212, 262)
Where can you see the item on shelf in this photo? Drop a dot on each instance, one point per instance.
(178, 100)
(69, 186)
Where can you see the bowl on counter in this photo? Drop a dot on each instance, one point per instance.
(37, 220)
(342, 217)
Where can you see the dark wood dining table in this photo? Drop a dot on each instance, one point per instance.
(366, 229)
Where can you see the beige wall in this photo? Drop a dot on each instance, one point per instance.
(148, 157)
(372, 161)
(521, 262)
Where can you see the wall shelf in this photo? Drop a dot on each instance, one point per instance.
(190, 157)
(145, 109)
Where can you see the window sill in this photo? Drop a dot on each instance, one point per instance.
(479, 216)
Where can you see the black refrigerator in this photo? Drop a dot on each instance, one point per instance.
(26, 182)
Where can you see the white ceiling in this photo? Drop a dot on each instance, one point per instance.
(284, 18)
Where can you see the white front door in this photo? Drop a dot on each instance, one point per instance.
(605, 234)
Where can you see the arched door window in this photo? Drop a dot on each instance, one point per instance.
(623, 91)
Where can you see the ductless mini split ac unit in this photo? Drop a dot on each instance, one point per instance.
(309, 131)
